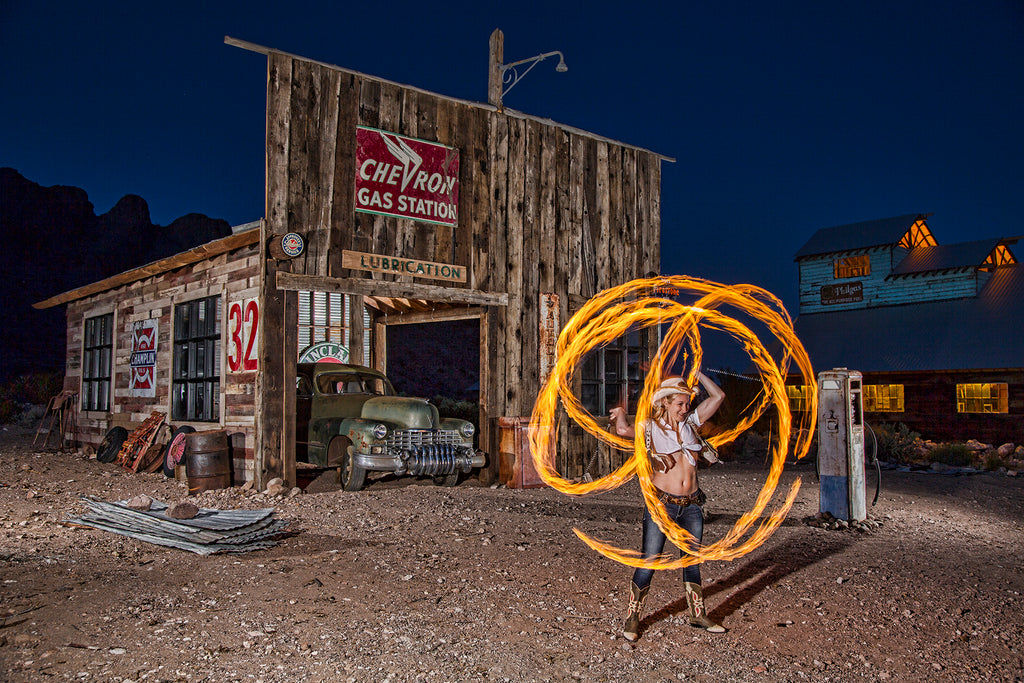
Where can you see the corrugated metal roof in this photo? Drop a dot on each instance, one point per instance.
(964, 334)
(946, 257)
(863, 235)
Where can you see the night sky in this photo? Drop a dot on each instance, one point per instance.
(783, 117)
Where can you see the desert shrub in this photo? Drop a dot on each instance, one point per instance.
(896, 443)
(993, 461)
(955, 454)
(463, 410)
(35, 388)
(8, 410)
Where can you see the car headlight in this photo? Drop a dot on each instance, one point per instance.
(380, 430)
(468, 429)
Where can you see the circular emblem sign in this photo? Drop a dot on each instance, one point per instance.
(292, 244)
(324, 352)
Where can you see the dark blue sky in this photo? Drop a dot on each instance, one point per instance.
(784, 117)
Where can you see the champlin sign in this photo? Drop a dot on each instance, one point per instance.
(406, 177)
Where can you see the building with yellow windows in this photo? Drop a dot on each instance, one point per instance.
(935, 329)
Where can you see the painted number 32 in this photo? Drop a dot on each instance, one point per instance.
(243, 325)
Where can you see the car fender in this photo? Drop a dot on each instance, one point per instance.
(360, 432)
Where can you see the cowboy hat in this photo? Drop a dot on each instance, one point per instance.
(670, 386)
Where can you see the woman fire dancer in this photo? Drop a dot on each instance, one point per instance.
(673, 448)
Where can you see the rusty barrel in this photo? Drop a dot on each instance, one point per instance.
(207, 461)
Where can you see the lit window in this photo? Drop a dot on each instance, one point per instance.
(852, 266)
(195, 390)
(1000, 256)
(98, 349)
(918, 236)
(883, 398)
(982, 398)
(799, 398)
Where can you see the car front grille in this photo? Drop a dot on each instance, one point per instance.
(410, 438)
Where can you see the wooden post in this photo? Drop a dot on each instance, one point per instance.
(497, 54)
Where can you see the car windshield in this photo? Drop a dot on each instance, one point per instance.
(349, 383)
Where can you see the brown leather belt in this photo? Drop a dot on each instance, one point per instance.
(697, 498)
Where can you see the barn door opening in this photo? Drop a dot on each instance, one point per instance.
(439, 361)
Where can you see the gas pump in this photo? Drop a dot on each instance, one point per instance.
(841, 444)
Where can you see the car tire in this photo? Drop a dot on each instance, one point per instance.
(111, 444)
(352, 477)
(174, 454)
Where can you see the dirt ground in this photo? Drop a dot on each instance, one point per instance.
(406, 581)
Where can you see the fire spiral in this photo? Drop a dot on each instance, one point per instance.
(637, 305)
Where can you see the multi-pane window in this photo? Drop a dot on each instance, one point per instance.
(982, 398)
(799, 397)
(883, 398)
(852, 266)
(97, 353)
(613, 375)
(324, 316)
(195, 388)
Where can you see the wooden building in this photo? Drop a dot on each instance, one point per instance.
(933, 328)
(160, 339)
(388, 205)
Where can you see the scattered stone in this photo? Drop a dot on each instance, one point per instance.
(277, 489)
(294, 492)
(249, 485)
(1006, 450)
(140, 502)
(182, 510)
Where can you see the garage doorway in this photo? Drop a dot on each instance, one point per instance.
(439, 361)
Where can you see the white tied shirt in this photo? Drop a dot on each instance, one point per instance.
(666, 440)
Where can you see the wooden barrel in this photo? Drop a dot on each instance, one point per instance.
(207, 461)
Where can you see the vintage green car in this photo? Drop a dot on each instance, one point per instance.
(348, 417)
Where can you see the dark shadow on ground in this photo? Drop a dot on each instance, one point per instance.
(761, 571)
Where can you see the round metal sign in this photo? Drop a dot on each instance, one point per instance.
(292, 244)
(324, 352)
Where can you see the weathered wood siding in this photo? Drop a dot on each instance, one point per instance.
(542, 209)
(234, 277)
(879, 289)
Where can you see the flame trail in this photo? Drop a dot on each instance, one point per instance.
(616, 311)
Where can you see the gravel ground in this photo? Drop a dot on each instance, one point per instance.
(406, 581)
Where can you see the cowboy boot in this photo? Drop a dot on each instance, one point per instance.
(698, 615)
(637, 596)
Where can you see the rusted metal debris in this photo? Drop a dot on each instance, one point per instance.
(209, 532)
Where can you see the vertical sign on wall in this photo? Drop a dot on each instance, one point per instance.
(406, 177)
(548, 334)
(143, 359)
(243, 335)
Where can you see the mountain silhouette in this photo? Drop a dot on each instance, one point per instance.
(55, 242)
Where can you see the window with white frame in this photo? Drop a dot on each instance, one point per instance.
(195, 387)
(97, 353)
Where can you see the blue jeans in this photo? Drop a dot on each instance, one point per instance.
(690, 518)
